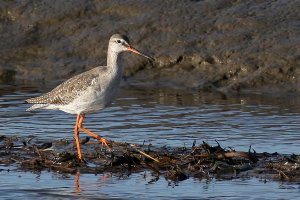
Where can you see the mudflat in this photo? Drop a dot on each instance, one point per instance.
(216, 45)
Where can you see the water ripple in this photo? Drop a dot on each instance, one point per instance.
(138, 116)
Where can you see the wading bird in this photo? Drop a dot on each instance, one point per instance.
(89, 91)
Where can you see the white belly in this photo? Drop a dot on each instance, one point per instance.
(91, 100)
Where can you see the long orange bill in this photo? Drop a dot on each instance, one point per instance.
(139, 53)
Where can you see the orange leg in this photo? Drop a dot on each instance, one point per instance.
(101, 139)
(76, 135)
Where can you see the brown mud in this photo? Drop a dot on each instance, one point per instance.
(224, 45)
(201, 161)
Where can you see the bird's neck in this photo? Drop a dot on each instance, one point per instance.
(114, 62)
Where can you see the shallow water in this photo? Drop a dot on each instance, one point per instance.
(161, 117)
(45, 185)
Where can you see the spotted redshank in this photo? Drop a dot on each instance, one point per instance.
(89, 91)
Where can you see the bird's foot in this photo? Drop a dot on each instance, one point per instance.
(105, 143)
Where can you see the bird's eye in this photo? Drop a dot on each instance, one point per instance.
(118, 41)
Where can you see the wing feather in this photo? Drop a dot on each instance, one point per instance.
(68, 90)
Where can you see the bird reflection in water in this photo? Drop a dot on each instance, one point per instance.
(77, 183)
(103, 178)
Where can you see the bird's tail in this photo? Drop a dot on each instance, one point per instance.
(37, 106)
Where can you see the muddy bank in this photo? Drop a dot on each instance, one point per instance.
(220, 45)
(201, 161)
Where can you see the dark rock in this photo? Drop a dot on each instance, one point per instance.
(125, 159)
(45, 146)
(176, 175)
(85, 140)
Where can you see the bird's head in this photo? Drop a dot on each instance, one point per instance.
(120, 43)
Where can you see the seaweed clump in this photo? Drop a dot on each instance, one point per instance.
(202, 161)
